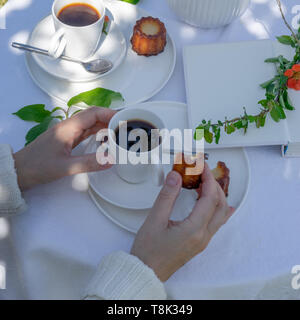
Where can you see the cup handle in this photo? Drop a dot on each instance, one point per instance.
(58, 44)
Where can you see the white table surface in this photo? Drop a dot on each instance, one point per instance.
(58, 242)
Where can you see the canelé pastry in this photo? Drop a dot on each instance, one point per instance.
(192, 179)
(221, 174)
(149, 37)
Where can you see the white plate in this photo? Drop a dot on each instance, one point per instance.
(112, 47)
(124, 218)
(138, 78)
(142, 196)
(132, 220)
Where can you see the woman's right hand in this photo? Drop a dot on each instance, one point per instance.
(165, 245)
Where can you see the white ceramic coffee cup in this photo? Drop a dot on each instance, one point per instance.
(136, 173)
(76, 42)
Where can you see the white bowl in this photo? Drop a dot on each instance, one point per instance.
(208, 13)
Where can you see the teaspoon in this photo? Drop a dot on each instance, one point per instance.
(100, 66)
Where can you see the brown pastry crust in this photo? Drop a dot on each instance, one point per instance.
(151, 43)
(195, 163)
(221, 174)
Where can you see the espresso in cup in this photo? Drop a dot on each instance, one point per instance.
(78, 14)
(142, 129)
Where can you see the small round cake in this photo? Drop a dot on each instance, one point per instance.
(149, 37)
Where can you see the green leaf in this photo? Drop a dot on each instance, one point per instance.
(244, 122)
(75, 112)
(267, 83)
(245, 127)
(281, 101)
(275, 115)
(208, 136)
(199, 133)
(230, 129)
(287, 102)
(270, 91)
(131, 1)
(34, 132)
(270, 96)
(280, 111)
(99, 97)
(57, 109)
(251, 119)
(282, 81)
(260, 121)
(263, 120)
(287, 40)
(283, 60)
(238, 124)
(264, 103)
(34, 112)
(272, 60)
(217, 135)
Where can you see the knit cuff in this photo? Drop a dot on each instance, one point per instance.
(121, 276)
(11, 201)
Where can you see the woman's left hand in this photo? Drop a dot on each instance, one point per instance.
(49, 157)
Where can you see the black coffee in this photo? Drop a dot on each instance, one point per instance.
(78, 15)
(151, 140)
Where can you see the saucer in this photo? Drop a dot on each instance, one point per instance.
(111, 188)
(112, 47)
(138, 78)
(132, 220)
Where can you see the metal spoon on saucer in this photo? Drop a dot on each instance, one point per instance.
(100, 66)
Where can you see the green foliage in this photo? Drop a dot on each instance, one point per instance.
(131, 1)
(34, 112)
(37, 113)
(99, 97)
(37, 130)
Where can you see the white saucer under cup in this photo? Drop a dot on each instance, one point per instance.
(122, 195)
(112, 47)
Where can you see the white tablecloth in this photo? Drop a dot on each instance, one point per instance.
(57, 243)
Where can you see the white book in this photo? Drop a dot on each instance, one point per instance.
(221, 79)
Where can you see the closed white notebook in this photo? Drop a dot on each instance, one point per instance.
(221, 79)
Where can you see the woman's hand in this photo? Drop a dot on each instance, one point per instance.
(164, 245)
(49, 158)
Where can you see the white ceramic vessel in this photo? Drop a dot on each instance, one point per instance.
(208, 13)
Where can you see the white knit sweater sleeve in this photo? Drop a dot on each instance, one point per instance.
(121, 276)
(11, 200)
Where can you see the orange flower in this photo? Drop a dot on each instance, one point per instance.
(106, 19)
(296, 67)
(294, 77)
